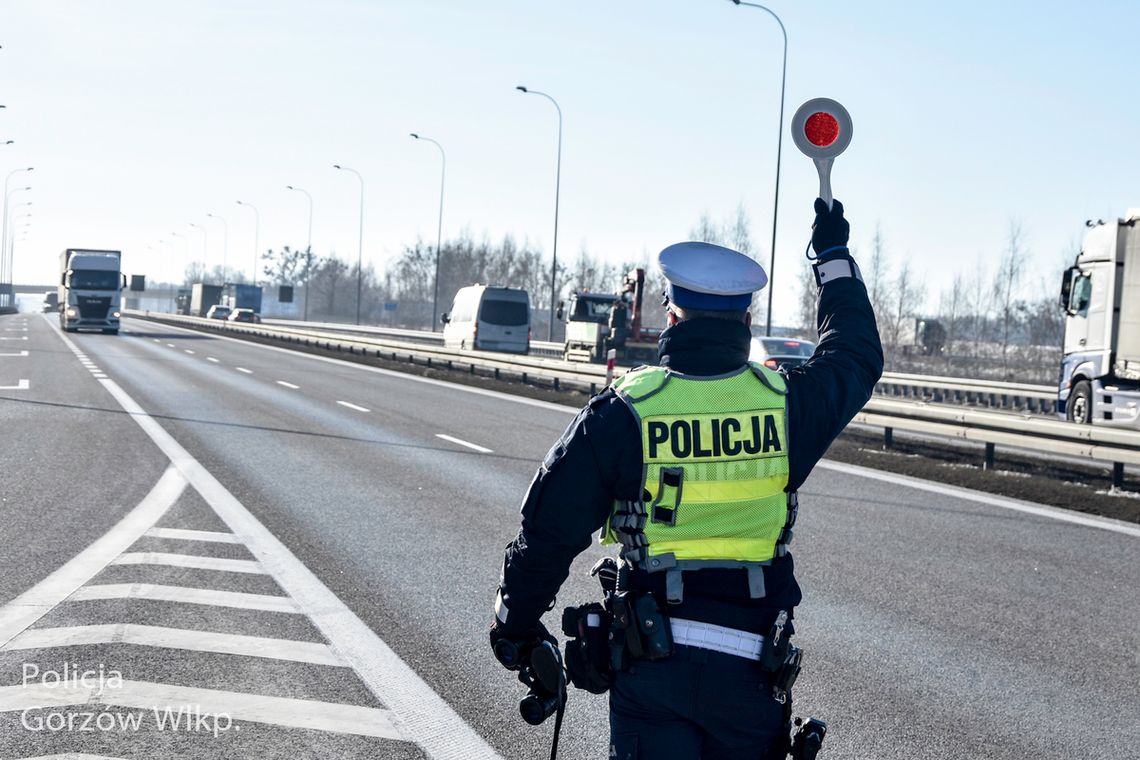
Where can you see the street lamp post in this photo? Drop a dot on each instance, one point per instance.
(185, 252)
(256, 231)
(360, 243)
(557, 190)
(439, 228)
(4, 225)
(225, 242)
(173, 289)
(5, 253)
(205, 249)
(779, 147)
(8, 264)
(308, 247)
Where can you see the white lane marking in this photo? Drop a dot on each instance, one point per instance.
(22, 337)
(73, 756)
(156, 340)
(194, 535)
(482, 449)
(30, 606)
(397, 375)
(243, 369)
(191, 561)
(21, 385)
(15, 353)
(185, 595)
(176, 638)
(256, 708)
(171, 345)
(1039, 510)
(188, 351)
(353, 406)
(288, 385)
(211, 359)
(426, 718)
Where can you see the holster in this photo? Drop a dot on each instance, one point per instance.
(640, 629)
(588, 651)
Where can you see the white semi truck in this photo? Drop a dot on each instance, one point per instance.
(90, 290)
(1100, 293)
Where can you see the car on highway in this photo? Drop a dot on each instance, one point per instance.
(244, 315)
(218, 311)
(775, 352)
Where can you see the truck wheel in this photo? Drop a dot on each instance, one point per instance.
(1079, 408)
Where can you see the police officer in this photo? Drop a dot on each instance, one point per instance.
(692, 468)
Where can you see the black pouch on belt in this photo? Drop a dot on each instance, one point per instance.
(588, 651)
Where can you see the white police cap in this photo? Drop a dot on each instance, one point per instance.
(711, 277)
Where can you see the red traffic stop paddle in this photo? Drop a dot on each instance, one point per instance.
(821, 129)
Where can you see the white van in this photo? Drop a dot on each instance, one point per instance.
(488, 318)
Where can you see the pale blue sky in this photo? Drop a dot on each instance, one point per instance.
(141, 116)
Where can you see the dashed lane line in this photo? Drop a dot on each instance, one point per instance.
(212, 359)
(171, 345)
(244, 370)
(288, 385)
(187, 350)
(477, 447)
(143, 695)
(14, 353)
(21, 385)
(353, 406)
(185, 595)
(21, 337)
(310, 652)
(192, 561)
(34, 603)
(183, 534)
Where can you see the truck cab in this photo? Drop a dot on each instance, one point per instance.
(90, 290)
(597, 322)
(1100, 294)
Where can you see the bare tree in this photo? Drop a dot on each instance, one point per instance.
(908, 297)
(952, 304)
(1006, 288)
(879, 288)
(808, 301)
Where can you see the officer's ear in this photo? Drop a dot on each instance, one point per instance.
(671, 317)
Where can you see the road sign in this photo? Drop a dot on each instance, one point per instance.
(821, 129)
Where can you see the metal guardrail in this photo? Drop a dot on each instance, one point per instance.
(1025, 431)
(1114, 445)
(498, 365)
(537, 347)
(963, 390)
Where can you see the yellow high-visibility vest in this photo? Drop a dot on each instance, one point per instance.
(715, 451)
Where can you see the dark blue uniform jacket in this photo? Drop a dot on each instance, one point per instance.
(599, 459)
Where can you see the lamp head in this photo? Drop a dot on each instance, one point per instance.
(520, 88)
(337, 166)
(413, 134)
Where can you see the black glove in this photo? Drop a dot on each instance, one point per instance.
(830, 229)
(513, 650)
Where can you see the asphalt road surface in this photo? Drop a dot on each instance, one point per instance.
(214, 549)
